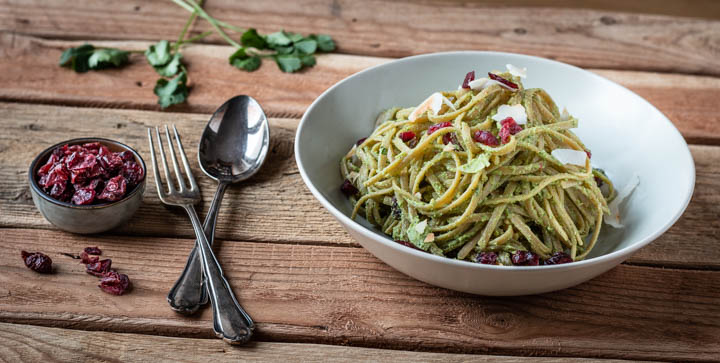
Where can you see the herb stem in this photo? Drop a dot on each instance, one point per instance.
(193, 6)
(185, 29)
(196, 38)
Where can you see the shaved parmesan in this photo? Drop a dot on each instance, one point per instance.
(432, 103)
(420, 227)
(516, 71)
(449, 147)
(480, 83)
(429, 238)
(570, 156)
(517, 112)
(565, 115)
(613, 219)
(417, 195)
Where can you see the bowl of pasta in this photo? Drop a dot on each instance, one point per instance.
(494, 173)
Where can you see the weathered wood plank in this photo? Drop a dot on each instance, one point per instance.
(29, 73)
(588, 38)
(36, 344)
(254, 210)
(343, 295)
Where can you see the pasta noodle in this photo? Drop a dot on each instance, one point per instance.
(457, 182)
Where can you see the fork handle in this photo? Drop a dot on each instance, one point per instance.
(189, 293)
(230, 321)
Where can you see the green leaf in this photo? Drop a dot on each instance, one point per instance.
(171, 68)
(173, 91)
(159, 54)
(277, 39)
(307, 60)
(295, 37)
(77, 58)
(307, 46)
(251, 38)
(285, 50)
(324, 42)
(240, 59)
(288, 63)
(108, 57)
(477, 164)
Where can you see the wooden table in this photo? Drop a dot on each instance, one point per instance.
(314, 292)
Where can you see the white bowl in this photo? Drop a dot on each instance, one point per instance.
(626, 134)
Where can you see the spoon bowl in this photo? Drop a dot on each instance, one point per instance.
(235, 140)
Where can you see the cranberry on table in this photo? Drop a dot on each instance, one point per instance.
(99, 268)
(114, 283)
(37, 261)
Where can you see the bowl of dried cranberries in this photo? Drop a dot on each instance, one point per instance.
(87, 185)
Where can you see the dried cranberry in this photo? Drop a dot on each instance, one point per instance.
(87, 259)
(60, 151)
(406, 136)
(525, 258)
(92, 147)
(360, 141)
(109, 160)
(93, 250)
(469, 77)
(99, 268)
(348, 188)
(486, 137)
(114, 190)
(407, 244)
(558, 258)
(52, 160)
(589, 154)
(37, 261)
(450, 138)
(502, 80)
(486, 258)
(61, 192)
(509, 127)
(83, 196)
(57, 175)
(438, 126)
(133, 173)
(114, 283)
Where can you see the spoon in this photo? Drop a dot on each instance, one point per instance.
(232, 148)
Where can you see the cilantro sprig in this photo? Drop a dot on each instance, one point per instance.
(291, 52)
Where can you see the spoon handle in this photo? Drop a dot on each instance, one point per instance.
(230, 321)
(189, 293)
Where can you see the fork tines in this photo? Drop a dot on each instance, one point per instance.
(178, 187)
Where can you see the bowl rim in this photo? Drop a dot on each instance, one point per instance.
(622, 253)
(34, 165)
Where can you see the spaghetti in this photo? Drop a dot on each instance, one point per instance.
(456, 178)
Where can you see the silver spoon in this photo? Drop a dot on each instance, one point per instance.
(232, 148)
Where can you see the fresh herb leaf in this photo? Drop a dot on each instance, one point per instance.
(294, 37)
(172, 68)
(285, 50)
(288, 63)
(307, 46)
(159, 54)
(173, 91)
(240, 59)
(86, 57)
(277, 39)
(307, 60)
(251, 38)
(324, 42)
(107, 57)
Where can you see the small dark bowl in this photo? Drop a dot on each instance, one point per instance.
(84, 219)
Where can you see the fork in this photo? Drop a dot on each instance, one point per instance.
(230, 321)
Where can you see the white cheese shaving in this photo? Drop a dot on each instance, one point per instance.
(517, 112)
(516, 71)
(478, 84)
(420, 227)
(433, 103)
(429, 238)
(449, 147)
(418, 195)
(613, 219)
(570, 156)
(565, 115)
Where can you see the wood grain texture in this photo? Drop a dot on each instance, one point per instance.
(29, 73)
(276, 196)
(343, 295)
(35, 344)
(587, 38)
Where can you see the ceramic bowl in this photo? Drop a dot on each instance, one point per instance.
(626, 134)
(86, 219)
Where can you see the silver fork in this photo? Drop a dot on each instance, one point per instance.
(230, 321)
